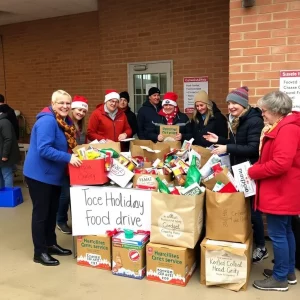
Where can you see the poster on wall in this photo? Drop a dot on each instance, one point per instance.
(290, 84)
(192, 85)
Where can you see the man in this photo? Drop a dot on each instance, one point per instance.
(148, 112)
(10, 115)
(108, 121)
(9, 151)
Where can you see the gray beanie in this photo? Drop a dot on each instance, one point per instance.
(239, 95)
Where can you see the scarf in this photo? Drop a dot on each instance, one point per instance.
(69, 131)
(169, 117)
(113, 114)
(235, 121)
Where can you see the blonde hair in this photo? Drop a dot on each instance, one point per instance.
(79, 125)
(208, 115)
(59, 93)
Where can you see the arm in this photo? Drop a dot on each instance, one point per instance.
(253, 138)
(45, 132)
(285, 148)
(6, 132)
(92, 131)
(140, 125)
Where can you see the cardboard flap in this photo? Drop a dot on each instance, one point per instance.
(135, 148)
(113, 145)
(205, 154)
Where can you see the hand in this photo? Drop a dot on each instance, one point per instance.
(178, 137)
(122, 136)
(4, 159)
(75, 161)
(109, 141)
(211, 137)
(219, 149)
(160, 138)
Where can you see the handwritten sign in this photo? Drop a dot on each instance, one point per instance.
(98, 209)
(169, 132)
(91, 172)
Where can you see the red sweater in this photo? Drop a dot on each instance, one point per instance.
(101, 126)
(278, 170)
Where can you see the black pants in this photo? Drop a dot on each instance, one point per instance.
(45, 200)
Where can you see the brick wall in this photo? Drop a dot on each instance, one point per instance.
(46, 55)
(193, 34)
(2, 81)
(264, 39)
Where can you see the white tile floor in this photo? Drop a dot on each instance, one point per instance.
(21, 279)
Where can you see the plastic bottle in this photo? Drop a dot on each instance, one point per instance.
(162, 187)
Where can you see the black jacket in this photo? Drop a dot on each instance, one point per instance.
(131, 118)
(244, 145)
(9, 147)
(181, 119)
(11, 116)
(146, 114)
(216, 124)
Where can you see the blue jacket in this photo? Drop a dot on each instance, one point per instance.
(48, 151)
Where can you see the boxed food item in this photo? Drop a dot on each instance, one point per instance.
(129, 255)
(168, 264)
(120, 174)
(94, 251)
(148, 181)
(226, 264)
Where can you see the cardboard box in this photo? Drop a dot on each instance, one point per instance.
(226, 264)
(114, 145)
(168, 264)
(129, 255)
(148, 181)
(94, 251)
(120, 174)
(91, 172)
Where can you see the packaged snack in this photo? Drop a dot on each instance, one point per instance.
(193, 175)
(114, 153)
(192, 190)
(178, 173)
(81, 153)
(123, 160)
(108, 162)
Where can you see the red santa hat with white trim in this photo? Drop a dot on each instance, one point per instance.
(80, 102)
(111, 94)
(170, 98)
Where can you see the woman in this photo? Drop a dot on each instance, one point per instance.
(207, 118)
(170, 115)
(130, 115)
(77, 114)
(9, 150)
(108, 122)
(278, 179)
(52, 137)
(245, 126)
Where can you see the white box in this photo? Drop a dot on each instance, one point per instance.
(120, 174)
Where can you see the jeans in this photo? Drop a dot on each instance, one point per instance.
(6, 177)
(284, 247)
(64, 202)
(45, 204)
(258, 227)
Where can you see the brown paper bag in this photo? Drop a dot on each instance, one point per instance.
(227, 265)
(176, 220)
(114, 145)
(228, 217)
(222, 177)
(205, 154)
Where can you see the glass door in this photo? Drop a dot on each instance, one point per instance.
(144, 75)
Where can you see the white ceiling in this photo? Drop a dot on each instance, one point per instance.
(15, 11)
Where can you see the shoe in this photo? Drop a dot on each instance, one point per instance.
(291, 278)
(45, 259)
(271, 284)
(259, 255)
(64, 228)
(57, 250)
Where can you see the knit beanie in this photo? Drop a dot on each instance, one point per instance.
(153, 90)
(239, 95)
(125, 95)
(202, 96)
(111, 94)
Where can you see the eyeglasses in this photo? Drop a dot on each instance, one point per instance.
(113, 101)
(63, 103)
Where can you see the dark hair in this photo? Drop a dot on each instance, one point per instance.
(2, 99)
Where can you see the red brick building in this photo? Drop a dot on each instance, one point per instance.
(90, 52)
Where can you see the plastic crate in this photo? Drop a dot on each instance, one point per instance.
(11, 197)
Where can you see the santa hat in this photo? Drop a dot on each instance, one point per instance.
(111, 94)
(170, 98)
(80, 102)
